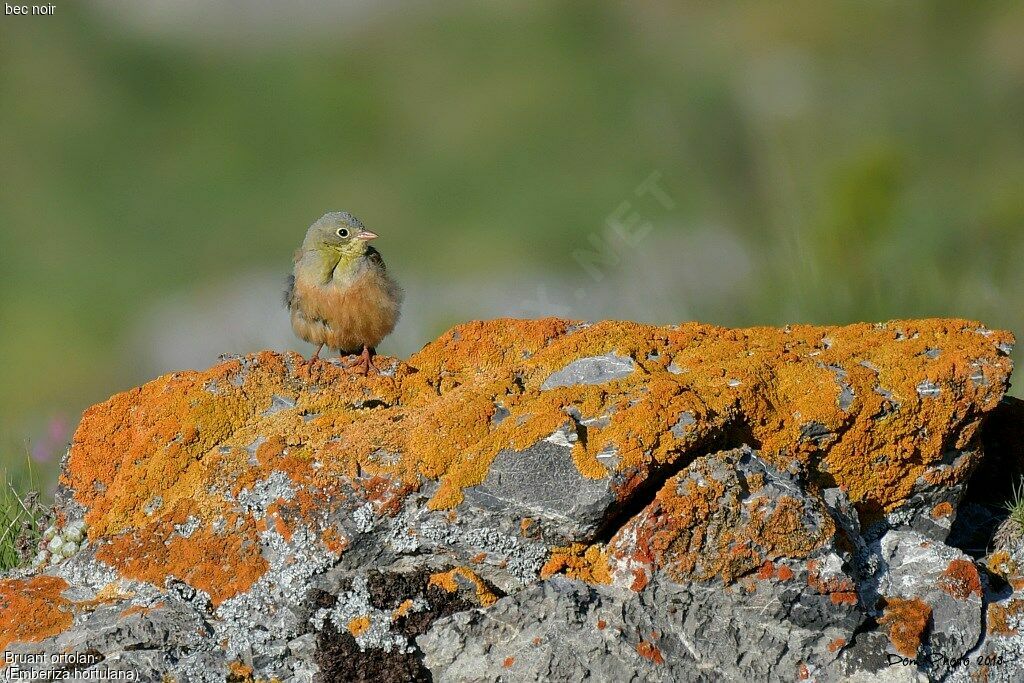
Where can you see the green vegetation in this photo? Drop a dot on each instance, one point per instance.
(867, 159)
(1015, 506)
(23, 516)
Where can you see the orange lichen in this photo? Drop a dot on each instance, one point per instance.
(578, 561)
(358, 626)
(640, 580)
(134, 609)
(448, 582)
(222, 565)
(508, 662)
(944, 509)
(276, 515)
(32, 609)
(524, 526)
(785, 573)
(905, 622)
(189, 443)
(1001, 564)
(998, 622)
(587, 463)
(698, 528)
(445, 581)
(650, 651)
(840, 589)
(844, 598)
(333, 541)
(239, 672)
(837, 644)
(999, 615)
(961, 579)
(601, 624)
(402, 609)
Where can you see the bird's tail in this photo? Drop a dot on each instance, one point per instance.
(289, 291)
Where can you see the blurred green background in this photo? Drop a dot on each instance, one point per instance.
(824, 162)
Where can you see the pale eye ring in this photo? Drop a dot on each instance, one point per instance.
(342, 233)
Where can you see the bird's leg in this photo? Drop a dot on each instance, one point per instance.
(316, 354)
(366, 362)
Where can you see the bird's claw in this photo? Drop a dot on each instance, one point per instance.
(365, 363)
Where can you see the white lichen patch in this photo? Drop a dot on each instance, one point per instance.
(249, 621)
(403, 536)
(524, 559)
(189, 527)
(354, 605)
(363, 518)
(265, 493)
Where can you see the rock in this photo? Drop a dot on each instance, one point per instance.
(592, 370)
(724, 516)
(543, 482)
(535, 500)
(562, 629)
(939, 580)
(130, 639)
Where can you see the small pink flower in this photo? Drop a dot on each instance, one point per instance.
(53, 440)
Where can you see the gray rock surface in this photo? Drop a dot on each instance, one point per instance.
(592, 370)
(542, 482)
(563, 630)
(942, 577)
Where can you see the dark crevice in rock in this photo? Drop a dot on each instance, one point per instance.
(975, 527)
(519, 383)
(733, 437)
(869, 625)
(997, 587)
(991, 486)
(1003, 465)
(580, 429)
(370, 404)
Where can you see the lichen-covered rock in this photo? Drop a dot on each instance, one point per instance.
(931, 598)
(725, 515)
(744, 502)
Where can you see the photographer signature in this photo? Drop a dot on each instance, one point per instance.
(939, 660)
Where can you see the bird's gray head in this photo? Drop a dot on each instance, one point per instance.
(338, 231)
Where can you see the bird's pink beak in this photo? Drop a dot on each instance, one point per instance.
(366, 235)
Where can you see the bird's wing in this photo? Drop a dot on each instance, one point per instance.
(375, 258)
(395, 292)
(289, 291)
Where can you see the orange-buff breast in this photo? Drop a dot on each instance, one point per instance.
(345, 317)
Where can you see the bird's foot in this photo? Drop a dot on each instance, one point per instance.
(366, 363)
(316, 354)
(362, 362)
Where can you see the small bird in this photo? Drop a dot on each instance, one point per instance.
(339, 293)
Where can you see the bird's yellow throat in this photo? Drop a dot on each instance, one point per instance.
(330, 261)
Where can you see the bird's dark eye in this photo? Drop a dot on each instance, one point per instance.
(342, 233)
